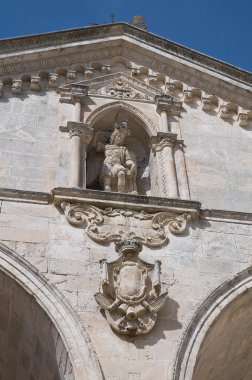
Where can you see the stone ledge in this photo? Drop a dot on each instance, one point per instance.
(135, 202)
(128, 201)
(12, 195)
(230, 216)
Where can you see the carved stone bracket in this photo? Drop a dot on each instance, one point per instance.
(115, 224)
(169, 104)
(73, 93)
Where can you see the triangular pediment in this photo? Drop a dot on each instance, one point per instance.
(165, 63)
(116, 85)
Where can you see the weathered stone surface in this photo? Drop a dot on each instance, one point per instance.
(190, 120)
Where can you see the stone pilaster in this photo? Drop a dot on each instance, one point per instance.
(163, 149)
(80, 136)
(166, 105)
(181, 170)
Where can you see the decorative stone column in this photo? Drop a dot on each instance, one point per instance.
(181, 170)
(166, 105)
(80, 136)
(162, 147)
(80, 133)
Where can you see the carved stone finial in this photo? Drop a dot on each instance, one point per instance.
(131, 291)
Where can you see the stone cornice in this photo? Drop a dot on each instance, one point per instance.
(127, 201)
(100, 31)
(13, 195)
(123, 200)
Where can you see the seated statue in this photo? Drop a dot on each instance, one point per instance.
(119, 168)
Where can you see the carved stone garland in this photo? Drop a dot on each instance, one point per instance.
(95, 220)
(130, 290)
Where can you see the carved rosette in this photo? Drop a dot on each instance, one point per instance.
(101, 228)
(130, 290)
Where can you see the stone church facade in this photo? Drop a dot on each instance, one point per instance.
(125, 209)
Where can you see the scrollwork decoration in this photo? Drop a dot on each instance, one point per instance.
(97, 220)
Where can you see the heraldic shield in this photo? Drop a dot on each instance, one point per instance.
(130, 290)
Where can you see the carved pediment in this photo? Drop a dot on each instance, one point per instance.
(116, 85)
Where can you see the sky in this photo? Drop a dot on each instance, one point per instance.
(219, 28)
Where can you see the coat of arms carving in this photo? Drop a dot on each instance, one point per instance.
(131, 290)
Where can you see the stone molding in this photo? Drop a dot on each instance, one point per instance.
(76, 340)
(147, 122)
(101, 199)
(179, 73)
(136, 202)
(171, 69)
(118, 29)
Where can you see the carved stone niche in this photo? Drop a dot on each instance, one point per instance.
(130, 290)
(119, 166)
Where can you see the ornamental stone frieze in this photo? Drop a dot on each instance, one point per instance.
(116, 85)
(112, 217)
(130, 290)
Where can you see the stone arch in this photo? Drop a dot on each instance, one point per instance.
(81, 354)
(147, 124)
(222, 301)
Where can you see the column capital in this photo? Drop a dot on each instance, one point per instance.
(169, 104)
(82, 130)
(162, 140)
(73, 93)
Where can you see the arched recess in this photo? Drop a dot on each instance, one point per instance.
(209, 348)
(118, 106)
(138, 143)
(48, 305)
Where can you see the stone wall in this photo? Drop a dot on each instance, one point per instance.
(193, 265)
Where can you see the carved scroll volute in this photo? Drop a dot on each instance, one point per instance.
(131, 291)
(92, 218)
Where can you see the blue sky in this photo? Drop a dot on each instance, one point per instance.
(219, 28)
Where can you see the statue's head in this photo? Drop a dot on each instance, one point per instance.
(121, 131)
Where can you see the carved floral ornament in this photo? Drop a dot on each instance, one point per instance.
(130, 290)
(115, 224)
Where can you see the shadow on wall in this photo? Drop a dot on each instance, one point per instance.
(167, 321)
(31, 347)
